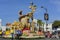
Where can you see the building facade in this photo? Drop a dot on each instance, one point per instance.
(48, 27)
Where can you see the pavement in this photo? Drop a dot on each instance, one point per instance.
(30, 39)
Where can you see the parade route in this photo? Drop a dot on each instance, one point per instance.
(30, 39)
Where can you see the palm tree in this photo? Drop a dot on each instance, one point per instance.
(39, 22)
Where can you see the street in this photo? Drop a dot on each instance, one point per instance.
(30, 39)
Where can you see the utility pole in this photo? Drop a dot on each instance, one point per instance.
(46, 16)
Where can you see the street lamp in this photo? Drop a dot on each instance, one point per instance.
(44, 8)
(46, 18)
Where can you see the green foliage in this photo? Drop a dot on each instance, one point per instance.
(56, 23)
(39, 22)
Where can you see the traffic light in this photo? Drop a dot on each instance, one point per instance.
(46, 16)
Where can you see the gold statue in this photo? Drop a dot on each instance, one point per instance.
(24, 19)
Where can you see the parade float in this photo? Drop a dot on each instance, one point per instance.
(24, 25)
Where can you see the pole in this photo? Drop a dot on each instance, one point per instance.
(46, 25)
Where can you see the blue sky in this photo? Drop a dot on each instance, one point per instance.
(9, 9)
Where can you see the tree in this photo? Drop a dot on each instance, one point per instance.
(56, 24)
(39, 22)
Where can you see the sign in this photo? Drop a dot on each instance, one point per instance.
(46, 16)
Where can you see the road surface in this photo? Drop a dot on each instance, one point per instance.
(30, 39)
